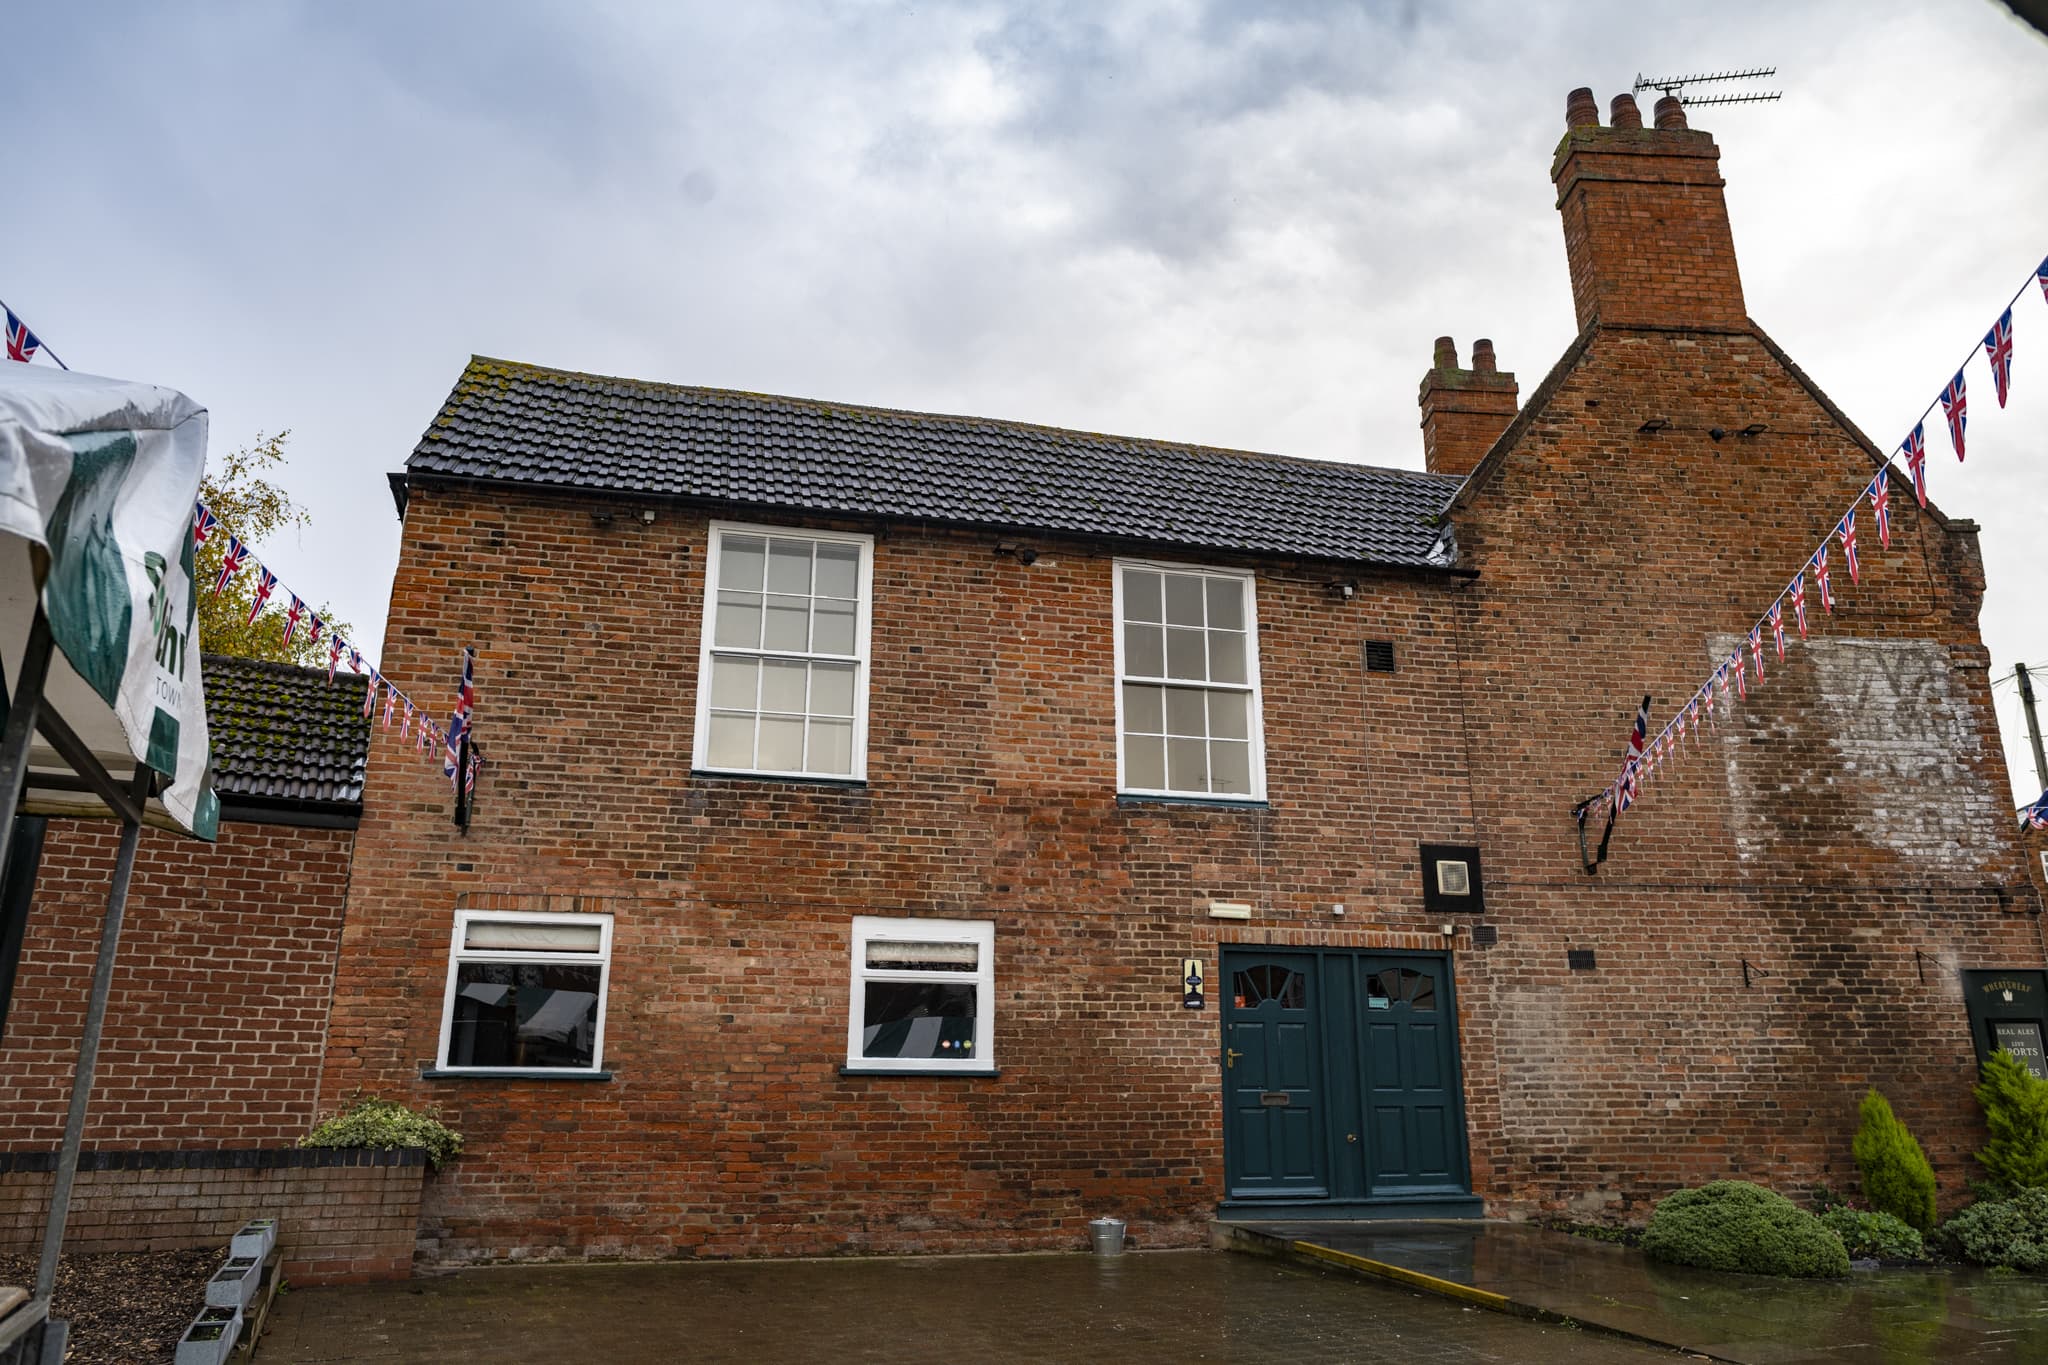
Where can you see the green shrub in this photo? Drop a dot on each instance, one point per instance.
(1896, 1177)
(371, 1122)
(1880, 1235)
(2003, 1232)
(2016, 1111)
(1734, 1225)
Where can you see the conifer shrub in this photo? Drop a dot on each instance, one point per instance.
(375, 1123)
(1734, 1225)
(2015, 1105)
(1868, 1235)
(1896, 1177)
(2003, 1232)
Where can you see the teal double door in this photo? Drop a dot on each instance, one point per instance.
(1340, 1078)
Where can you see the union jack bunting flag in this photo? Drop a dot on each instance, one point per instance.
(1741, 677)
(1778, 626)
(1641, 730)
(1819, 565)
(1916, 460)
(1756, 649)
(313, 633)
(335, 645)
(355, 659)
(370, 694)
(1954, 406)
(231, 564)
(203, 522)
(291, 618)
(1846, 530)
(1881, 508)
(22, 344)
(458, 723)
(2036, 815)
(476, 761)
(1997, 345)
(1692, 720)
(265, 582)
(1799, 601)
(390, 700)
(405, 725)
(2041, 277)
(426, 731)
(1721, 677)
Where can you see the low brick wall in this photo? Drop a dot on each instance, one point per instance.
(343, 1216)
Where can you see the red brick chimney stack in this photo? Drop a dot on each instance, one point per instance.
(1463, 411)
(1645, 225)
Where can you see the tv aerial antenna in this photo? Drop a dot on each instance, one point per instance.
(1675, 86)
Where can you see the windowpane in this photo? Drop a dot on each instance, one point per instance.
(832, 628)
(1184, 711)
(739, 620)
(935, 956)
(1226, 603)
(782, 745)
(1229, 716)
(731, 742)
(789, 566)
(838, 570)
(782, 685)
(1185, 657)
(740, 562)
(832, 689)
(1230, 766)
(1226, 657)
(525, 1014)
(918, 1019)
(735, 683)
(1145, 762)
(1141, 595)
(1183, 600)
(1144, 652)
(525, 935)
(788, 624)
(1187, 765)
(831, 747)
(1144, 709)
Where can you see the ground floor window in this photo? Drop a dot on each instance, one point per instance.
(923, 995)
(526, 991)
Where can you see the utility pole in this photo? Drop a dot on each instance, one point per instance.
(2033, 723)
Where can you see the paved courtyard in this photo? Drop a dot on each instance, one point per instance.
(1140, 1309)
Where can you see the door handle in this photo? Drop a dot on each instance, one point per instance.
(1351, 1137)
(1230, 1056)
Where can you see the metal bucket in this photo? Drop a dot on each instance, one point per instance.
(1107, 1236)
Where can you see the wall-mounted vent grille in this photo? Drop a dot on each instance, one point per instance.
(1580, 959)
(1379, 656)
(1485, 935)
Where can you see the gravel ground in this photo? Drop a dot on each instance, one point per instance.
(126, 1308)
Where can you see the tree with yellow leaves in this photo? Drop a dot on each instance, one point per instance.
(253, 508)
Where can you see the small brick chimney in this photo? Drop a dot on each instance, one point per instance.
(1463, 411)
(1645, 225)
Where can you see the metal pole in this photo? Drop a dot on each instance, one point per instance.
(89, 1043)
(21, 725)
(2033, 722)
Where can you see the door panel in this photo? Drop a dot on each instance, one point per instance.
(1274, 1142)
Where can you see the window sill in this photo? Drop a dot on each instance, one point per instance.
(793, 779)
(918, 1071)
(523, 1073)
(1206, 802)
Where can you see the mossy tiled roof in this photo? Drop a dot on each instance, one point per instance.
(282, 733)
(524, 424)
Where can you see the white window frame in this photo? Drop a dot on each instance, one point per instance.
(861, 658)
(1253, 686)
(459, 955)
(872, 928)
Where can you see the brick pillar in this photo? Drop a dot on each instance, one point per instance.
(1645, 224)
(1463, 411)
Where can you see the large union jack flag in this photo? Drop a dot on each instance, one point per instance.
(458, 723)
(1955, 406)
(1998, 345)
(22, 344)
(203, 522)
(266, 582)
(1881, 508)
(1846, 530)
(1916, 461)
(231, 564)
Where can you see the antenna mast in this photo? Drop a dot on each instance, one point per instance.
(1675, 86)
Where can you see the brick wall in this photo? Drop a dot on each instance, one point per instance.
(219, 999)
(344, 1217)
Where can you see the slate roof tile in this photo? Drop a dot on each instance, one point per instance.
(285, 733)
(526, 424)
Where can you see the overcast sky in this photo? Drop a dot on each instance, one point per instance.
(1235, 223)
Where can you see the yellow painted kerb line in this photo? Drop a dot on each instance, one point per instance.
(1499, 1303)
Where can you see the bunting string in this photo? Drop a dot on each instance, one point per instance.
(1644, 755)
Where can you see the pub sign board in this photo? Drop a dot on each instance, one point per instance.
(2009, 1011)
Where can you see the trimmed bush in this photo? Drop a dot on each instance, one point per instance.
(1896, 1177)
(371, 1122)
(1734, 1225)
(1880, 1236)
(2004, 1232)
(2016, 1111)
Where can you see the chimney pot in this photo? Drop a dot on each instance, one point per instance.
(1482, 356)
(1463, 411)
(1670, 112)
(1446, 354)
(1622, 113)
(1581, 110)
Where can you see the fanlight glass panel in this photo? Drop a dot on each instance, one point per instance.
(1254, 986)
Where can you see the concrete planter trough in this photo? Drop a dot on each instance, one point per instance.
(211, 1337)
(256, 1238)
(234, 1284)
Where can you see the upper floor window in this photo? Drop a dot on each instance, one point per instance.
(782, 687)
(1187, 658)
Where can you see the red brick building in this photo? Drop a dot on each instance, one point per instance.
(871, 794)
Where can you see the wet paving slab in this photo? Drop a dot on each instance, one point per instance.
(1145, 1308)
(1891, 1316)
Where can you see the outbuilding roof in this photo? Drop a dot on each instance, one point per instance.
(513, 423)
(285, 734)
